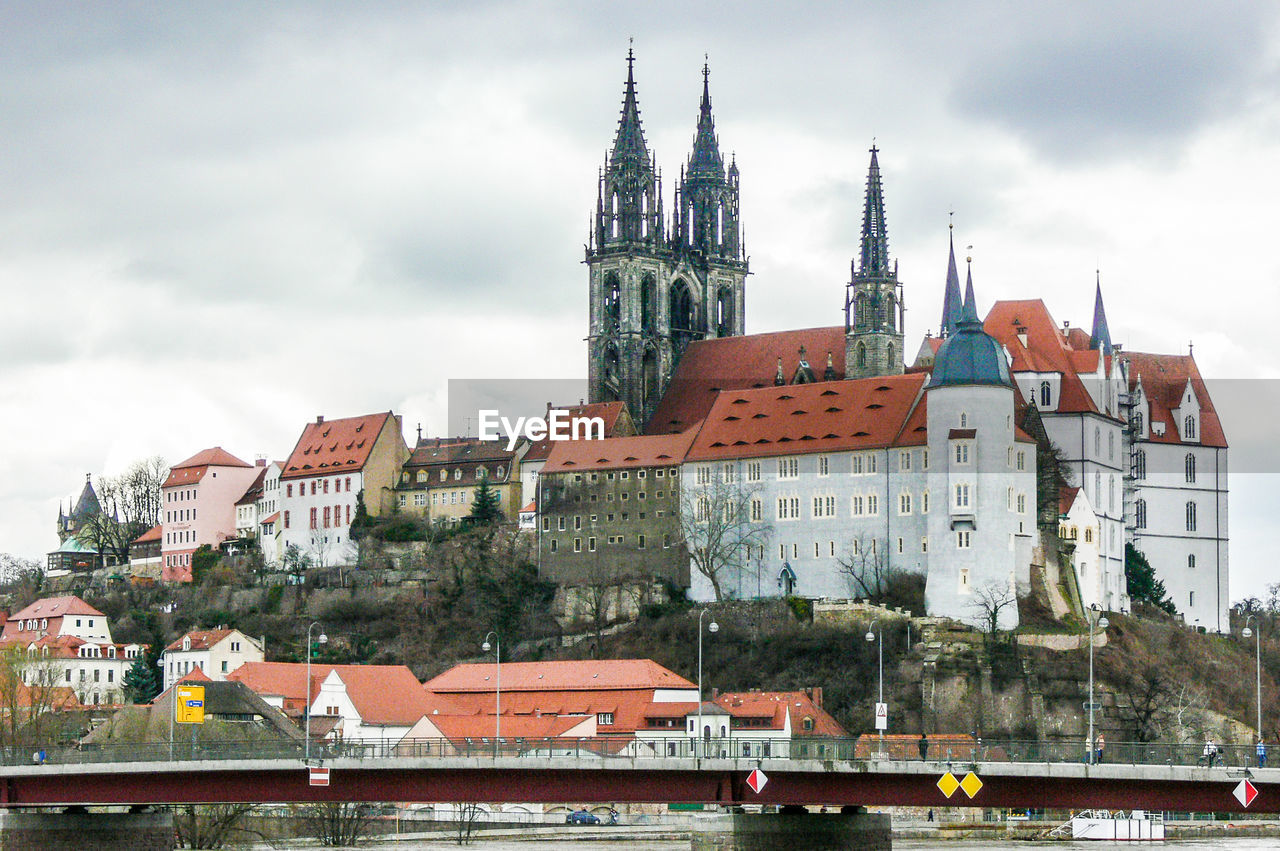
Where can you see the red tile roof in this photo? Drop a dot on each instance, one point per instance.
(155, 533)
(254, 492)
(1047, 349)
(382, 694)
(865, 413)
(195, 675)
(660, 450)
(512, 726)
(1066, 499)
(736, 363)
(194, 468)
(1164, 378)
(617, 423)
(588, 675)
(775, 705)
(56, 607)
(335, 446)
(201, 639)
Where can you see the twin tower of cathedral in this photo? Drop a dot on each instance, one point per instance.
(659, 283)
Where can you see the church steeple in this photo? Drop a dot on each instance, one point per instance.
(951, 298)
(875, 236)
(1100, 338)
(628, 205)
(706, 213)
(873, 304)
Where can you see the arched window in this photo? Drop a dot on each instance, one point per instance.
(862, 355)
(648, 303)
(1190, 464)
(1191, 516)
(1137, 424)
(1140, 464)
(1189, 427)
(612, 302)
(888, 357)
(724, 312)
(1140, 513)
(681, 307)
(1111, 445)
(1097, 441)
(1046, 394)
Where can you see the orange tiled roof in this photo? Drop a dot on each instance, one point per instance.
(1164, 378)
(1047, 349)
(1066, 499)
(737, 363)
(864, 413)
(155, 533)
(194, 468)
(335, 446)
(512, 726)
(56, 607)
(659, 450)
(586, 675)
(195, 675)
(773, 705)
(201, 639)
(382, 694)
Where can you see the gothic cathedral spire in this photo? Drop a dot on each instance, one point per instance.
(654, 291)
(952, 302)
(873, 305)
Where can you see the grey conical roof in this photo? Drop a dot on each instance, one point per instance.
(971, 355)
(1100, 338)
(87, 505)
(952, 301)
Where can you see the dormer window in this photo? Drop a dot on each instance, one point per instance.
(186, 642)
(457, 475)
(1046, 394)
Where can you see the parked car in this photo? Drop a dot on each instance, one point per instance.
(581, 817)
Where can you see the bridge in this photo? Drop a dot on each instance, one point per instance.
(831, 772)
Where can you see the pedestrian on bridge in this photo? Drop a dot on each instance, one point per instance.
(1099, 745)
(923, 744)
(1262, 753)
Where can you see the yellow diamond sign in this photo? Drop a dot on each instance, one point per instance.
(970, 784)
(948, 784)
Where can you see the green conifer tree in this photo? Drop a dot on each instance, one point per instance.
(141, 682)
(484, 506)
(1143, 586)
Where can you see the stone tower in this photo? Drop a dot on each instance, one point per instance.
(652, 292)
(873, 311)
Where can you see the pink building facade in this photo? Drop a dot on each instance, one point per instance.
(198, 506)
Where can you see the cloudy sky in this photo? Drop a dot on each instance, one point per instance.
(219, 220)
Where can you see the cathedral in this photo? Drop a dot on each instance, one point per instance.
(940, 453)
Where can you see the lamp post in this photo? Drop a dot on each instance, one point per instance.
(1257, 650)
(497, 685)
(1098, 619)
(322, 639)
(878, 637)
(712, 627)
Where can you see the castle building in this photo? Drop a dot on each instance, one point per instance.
(653, 289)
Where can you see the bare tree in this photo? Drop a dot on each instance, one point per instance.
(716, 521)
(990, 602)
(17, 569)
(865, 566)
(32, 689)
(465, 816)
(1148, 697)
(212, 825)
(130, 505)
(1185, 716)
(336, 823)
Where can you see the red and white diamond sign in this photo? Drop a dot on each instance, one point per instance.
(1245, 792)
(756, 780)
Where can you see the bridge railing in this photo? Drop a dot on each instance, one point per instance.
(961, 750)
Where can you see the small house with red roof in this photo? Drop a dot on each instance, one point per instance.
(359, 702)
(146, 562)
(1080, 527)
(215, 652)
(198, 507)
(333, 463)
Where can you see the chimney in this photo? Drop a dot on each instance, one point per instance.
(715, 692)
(815, 694)
(320, 419)
(259, 462)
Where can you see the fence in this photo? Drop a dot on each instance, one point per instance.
(624, 748)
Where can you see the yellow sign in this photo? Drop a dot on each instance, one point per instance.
(188, 705)
(948, 784)
(971, 784)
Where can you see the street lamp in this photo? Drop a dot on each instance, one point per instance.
(713, 628)
(497, 686)
(1098, 619)
(1257, 650)
(322, 639)
(877, 637)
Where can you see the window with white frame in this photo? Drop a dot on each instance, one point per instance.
(730, 473)
(924, 503)
(757, 510)
(1022, 503)
(961, 495)
(824, 506)
(855, 465)
(753, 471)
(904, 460)
(1021, 460)
(1189, 465)
(1189, 427)
(788, 468)
(961, 449)
(857, 505)
(873, 504)
(824, 465)
(702, 509)
(702, 474)
(788, 507)
(963, 539)
(1191, 516)
(904, 503)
